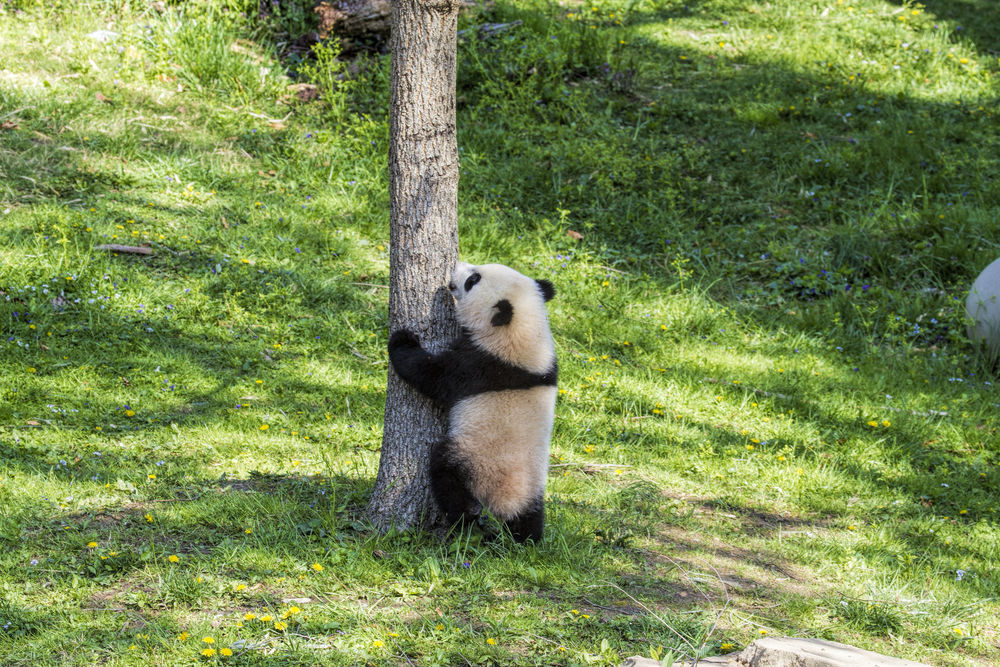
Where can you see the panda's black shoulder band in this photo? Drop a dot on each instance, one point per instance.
(473, 370)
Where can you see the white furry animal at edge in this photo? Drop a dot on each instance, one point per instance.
(503, 436)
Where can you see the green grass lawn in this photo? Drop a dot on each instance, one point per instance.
(770, 419)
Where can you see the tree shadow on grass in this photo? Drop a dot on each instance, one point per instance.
(840, 153)
(976, 20)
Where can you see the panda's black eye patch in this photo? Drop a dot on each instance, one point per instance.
(472, 280)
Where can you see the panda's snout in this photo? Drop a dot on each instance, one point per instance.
(452, 286)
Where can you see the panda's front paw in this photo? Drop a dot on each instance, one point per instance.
(402, 339)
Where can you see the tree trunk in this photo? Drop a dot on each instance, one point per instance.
(423, 238)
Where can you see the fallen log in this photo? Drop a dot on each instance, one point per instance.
(355, 22)
(366, 23)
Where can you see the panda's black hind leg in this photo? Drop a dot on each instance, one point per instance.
(453, 498)
(528, 524)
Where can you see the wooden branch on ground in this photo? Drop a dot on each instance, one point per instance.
(132, 249)
(490, 29)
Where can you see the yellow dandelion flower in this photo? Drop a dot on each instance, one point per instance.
(378, 644)
(491, 641)
(226, 652)
(183, 636)
(208, 640)
(264, 427)
(173, 558)
(249, 616)
(886, 423)
(317, 567)
(208, 652)
(91, 545)
(279, 626)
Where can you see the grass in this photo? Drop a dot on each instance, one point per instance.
(770, 419)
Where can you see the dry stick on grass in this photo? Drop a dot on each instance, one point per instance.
(759, 392)
(588, 465)
(132, 249)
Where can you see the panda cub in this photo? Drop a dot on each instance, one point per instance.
(498, 382)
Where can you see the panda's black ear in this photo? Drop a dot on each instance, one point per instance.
(548, 289)
(505, 313)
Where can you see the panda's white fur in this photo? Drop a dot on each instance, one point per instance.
(503, 436)
(528, 342)
(498, 382)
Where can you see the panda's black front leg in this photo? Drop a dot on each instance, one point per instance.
(419, 368)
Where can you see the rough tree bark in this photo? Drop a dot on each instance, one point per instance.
(423, 238)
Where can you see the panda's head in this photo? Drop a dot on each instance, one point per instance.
(504, 313)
